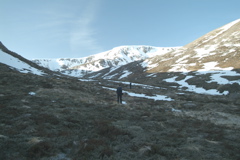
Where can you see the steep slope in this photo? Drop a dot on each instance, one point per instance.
(21, 64)
(217, 49)
(116, 57)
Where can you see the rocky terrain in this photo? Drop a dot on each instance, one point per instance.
(66, 119)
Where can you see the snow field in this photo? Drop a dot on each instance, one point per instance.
(18, 64)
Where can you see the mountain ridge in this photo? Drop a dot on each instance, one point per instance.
(211, 62)
(219, 45)
(211, 42)
(117, 56)
(213, 45)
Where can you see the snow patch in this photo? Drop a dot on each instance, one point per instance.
(18, 64)
(156, 97)
(125, 74)
(215, 77)
(204, 52)
(32, 93)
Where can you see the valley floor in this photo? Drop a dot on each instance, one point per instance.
(68, 119)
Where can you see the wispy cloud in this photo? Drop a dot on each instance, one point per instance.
(53, 24)
(71, 25)
(83, 35)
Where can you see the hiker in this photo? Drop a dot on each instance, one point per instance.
(130, 85)
(119, 94)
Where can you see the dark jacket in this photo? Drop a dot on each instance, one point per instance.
(119, 90)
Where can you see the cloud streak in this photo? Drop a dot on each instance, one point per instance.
(83, 35)
(70, 26)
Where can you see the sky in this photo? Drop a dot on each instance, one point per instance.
(79, 28)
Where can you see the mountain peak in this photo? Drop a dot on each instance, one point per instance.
(115, 57)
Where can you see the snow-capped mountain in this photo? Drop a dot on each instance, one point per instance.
(116, 57)
(217, 50)
(208, 63)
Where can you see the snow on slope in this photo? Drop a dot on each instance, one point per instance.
(126, 54)
(58, 64)
(155, 97)
(116, 57)
(221, 30)
(18, 64)
(221, 45)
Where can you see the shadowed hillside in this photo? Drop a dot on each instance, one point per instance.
(64, 118)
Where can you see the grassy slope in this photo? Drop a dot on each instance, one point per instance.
(69, 119)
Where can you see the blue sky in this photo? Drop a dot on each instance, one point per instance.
(79, 28)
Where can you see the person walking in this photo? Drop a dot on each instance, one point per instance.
(119, 94)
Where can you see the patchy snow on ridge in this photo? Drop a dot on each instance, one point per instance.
(212, 66)
(204, 52)
(147, 64)
(193, 88)
(222, 29)
(118, 56)
(18, 64)
(229, 25)
(59, 64)
(216, 76)
(219, 44)
(125, 74)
